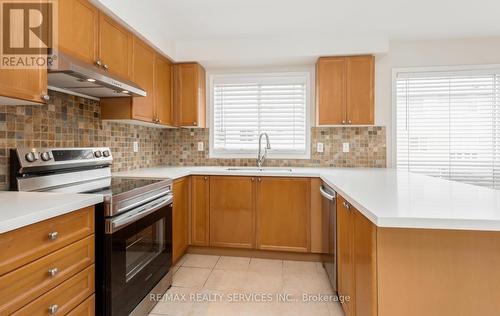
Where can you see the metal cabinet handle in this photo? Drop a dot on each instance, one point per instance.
(45, 97)
(253, 179)
(343, 122)
(98, 63)
(325, 194)
(53, 235)
(347, 206)
(53, 309)
(53, 272)
(105, 67)
(350, 122)
(205, 178)
(260, 180)
(195, 123)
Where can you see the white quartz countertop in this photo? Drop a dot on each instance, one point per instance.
(388, 197)
(19, 209)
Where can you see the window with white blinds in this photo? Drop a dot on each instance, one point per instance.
(244, 106)
(448, 124)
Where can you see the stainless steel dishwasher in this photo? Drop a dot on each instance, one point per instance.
(329, 232)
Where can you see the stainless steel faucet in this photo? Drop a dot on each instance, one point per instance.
(261, 158)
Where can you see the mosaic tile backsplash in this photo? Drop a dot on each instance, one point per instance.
(69, 121)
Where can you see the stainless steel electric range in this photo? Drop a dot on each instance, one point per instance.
(133, 225)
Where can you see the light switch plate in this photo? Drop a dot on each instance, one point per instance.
(136, 147)
(320, 147)
(200, 146)
(345, 147)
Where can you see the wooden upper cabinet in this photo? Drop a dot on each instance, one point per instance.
(115, 47)
(200, 206)
(180, 217)
(360, 90)
(163, 91)
(345, 90)
(29, 85)
(232, 211)
(189, 94)
(331, 90)
(79, 29)
(283, 214)
(144, 75)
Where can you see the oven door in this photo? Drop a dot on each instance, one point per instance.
(138, 252)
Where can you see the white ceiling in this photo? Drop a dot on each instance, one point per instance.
(250, 32)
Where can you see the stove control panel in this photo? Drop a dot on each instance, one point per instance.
(45, 157)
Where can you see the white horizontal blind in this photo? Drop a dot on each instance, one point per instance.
(448, 125)
(245, 106)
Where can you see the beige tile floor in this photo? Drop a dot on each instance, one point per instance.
(212, 285)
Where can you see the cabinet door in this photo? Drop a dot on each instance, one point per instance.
(365, 265)
(78, 29)
(345, 255)
(190, 94)
(283, 214)
(23, 84)
(232, 212)
(360, 90)
(115, 47)
(143, 75)
(180, 217)
(331, 91)
(163, 90)
(200, 199)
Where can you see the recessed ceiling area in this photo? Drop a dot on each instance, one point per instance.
(222, 33)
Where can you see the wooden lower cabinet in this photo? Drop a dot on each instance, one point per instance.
(87, 308)
(232, 211)
(365, 265)
(180, 217)
(32, 280)
(283, 214)
(48, 267)
(29, 243)
(345, 255)
(357, 260)
(200, 210)
(63, 298)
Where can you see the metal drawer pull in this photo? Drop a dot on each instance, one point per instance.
(53, 272)
(53, 235)
(53, 309)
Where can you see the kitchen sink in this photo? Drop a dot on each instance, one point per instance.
(250, 169)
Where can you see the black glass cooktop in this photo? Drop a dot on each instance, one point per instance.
(121, 185)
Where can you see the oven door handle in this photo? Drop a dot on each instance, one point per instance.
(114, 225)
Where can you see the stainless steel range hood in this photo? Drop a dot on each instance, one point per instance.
(76, 77)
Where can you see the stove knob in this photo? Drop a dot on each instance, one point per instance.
(45, 156)
(98, 154)
(106, 153)
(31, 157)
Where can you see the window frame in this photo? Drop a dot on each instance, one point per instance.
(223, 154)
(423, 69)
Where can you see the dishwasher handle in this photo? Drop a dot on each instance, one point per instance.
(327, 195)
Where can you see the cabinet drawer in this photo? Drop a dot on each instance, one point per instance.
(63, 298)
(29, 243)
(87, 308)
(32, 280)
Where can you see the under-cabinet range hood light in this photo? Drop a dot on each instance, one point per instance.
(74, 76)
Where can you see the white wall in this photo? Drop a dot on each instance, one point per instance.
(451, 52)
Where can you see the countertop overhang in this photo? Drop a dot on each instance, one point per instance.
(388, 197)
(19, 209)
